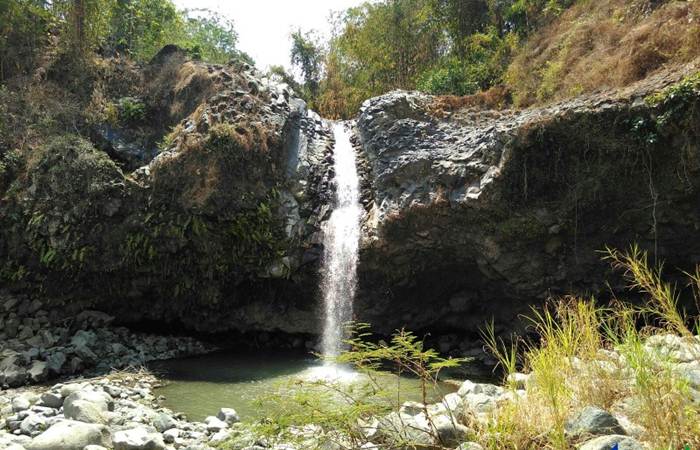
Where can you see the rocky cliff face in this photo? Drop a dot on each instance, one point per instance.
(469, 214)
(480, 214)
(219, 231)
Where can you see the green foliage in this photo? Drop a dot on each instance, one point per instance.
(680, 92)
(22, 34)
(210, 37)
(525, 16)
(674, 111)
(378, 47)
(12, 272)
(675, 100)
(9, 163)
(480, 65)
(142, 26)
(454, 47)
(131, 110)
(138, 27)
(307, 55)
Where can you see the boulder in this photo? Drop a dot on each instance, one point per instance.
(448, 431)
(38, 371)
(24, 401)
(592, 421)
(228, 415)
(519, 380)
(13, 375)
(55, 362)
(71, 435)
(214, 424)
(164, 422)
(469, 387)
(33, 425)
(396, 428)
(52, 399)
(88, 406)
(611, 442)
(138, 439)
(14, 447)
(68, 389)
(480, 403)
(171, 435)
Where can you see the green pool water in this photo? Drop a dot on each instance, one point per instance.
(199, 386)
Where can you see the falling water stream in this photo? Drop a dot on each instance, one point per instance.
(200, 385)
(341, 242)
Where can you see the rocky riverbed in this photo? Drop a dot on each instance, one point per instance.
(120, 411)
(37, 343)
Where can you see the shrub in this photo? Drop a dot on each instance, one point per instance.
(340, 410)
(131, 110)
(572, 366)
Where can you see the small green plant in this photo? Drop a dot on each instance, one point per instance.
(342, 411)
(131, 110)
(680, 92)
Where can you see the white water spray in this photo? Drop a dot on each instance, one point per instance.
(340, 245)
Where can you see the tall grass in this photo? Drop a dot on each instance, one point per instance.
(585, 354)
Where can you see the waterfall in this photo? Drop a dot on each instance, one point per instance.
(340, 245)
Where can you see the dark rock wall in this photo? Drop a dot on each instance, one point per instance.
(219, 231)
(481, 215)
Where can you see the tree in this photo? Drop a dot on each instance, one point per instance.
(22, 34)
(461, 18)
(212, 37)
(307, 56)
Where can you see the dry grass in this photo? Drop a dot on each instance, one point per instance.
(495, 98)
(602, 44)
(573, 365)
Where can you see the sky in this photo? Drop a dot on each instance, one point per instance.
(264, 26)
